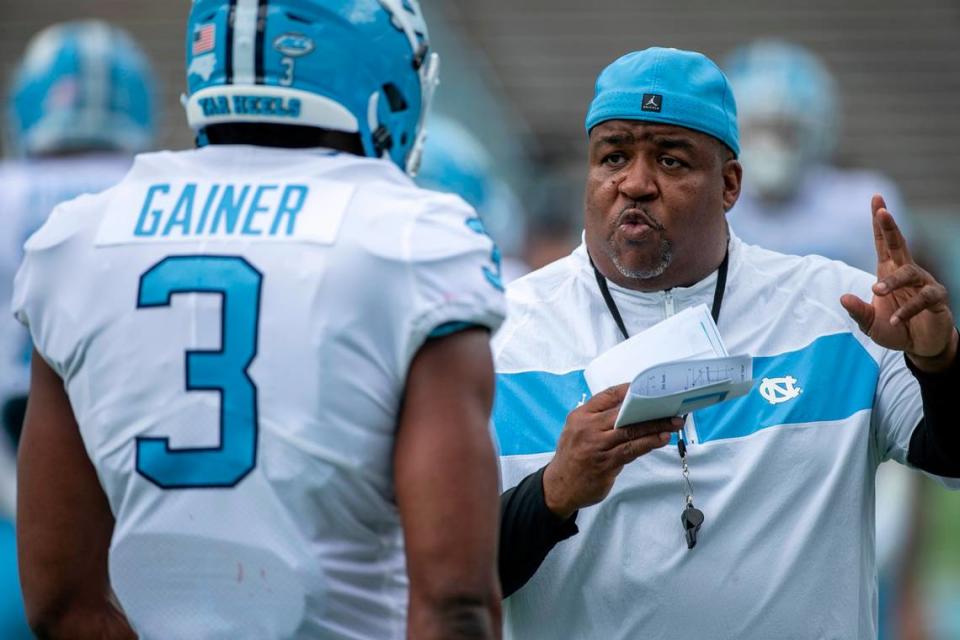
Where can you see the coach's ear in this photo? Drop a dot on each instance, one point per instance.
(732, 172)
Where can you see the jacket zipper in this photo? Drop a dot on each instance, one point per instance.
(668, 305)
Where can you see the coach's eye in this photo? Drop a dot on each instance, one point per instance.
(615, 159)
(670, 162)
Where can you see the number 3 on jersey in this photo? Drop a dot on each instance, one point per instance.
(225, 370)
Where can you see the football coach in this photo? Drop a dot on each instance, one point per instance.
(759, 522)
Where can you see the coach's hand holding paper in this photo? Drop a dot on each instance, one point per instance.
(674, 367)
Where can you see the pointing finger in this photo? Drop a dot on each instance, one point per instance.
(893, 240)
(876, 204)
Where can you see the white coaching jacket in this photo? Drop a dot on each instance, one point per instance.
(786, 482)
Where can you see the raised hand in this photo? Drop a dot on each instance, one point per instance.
(910, 310)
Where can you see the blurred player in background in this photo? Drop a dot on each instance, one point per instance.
(454, 161)
(82, 102)
(795, 201)
(255, 361)
(555, 221)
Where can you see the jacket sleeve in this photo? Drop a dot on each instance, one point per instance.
(528, 531)
(935, 443)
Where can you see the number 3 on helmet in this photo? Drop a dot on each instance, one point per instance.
(361, 66)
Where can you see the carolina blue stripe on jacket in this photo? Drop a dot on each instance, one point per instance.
(532, 406)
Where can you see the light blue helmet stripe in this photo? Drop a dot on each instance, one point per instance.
(93, 45)
(244, 41)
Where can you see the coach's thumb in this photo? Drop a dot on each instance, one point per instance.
(861, 312)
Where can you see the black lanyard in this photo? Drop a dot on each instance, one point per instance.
(615, 312)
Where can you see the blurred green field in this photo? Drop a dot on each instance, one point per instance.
(941, 539)
(939, 561)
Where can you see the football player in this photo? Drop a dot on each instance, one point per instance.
(81, 104)
(455, 161)
(261, 370)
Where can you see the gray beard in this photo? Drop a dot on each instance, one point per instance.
(666, 255)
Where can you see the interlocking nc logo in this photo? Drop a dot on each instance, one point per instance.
(779, 390)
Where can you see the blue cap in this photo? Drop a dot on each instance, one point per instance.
(668, 86)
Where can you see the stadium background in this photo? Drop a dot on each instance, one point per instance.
(521, 74)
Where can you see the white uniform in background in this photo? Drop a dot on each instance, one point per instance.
(31, 189)
(260, 309)
(829, 215)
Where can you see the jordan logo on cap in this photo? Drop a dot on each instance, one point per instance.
(652, 102)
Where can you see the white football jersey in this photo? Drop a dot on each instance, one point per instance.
(234, 326)
(31, 189)
(829, 216)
